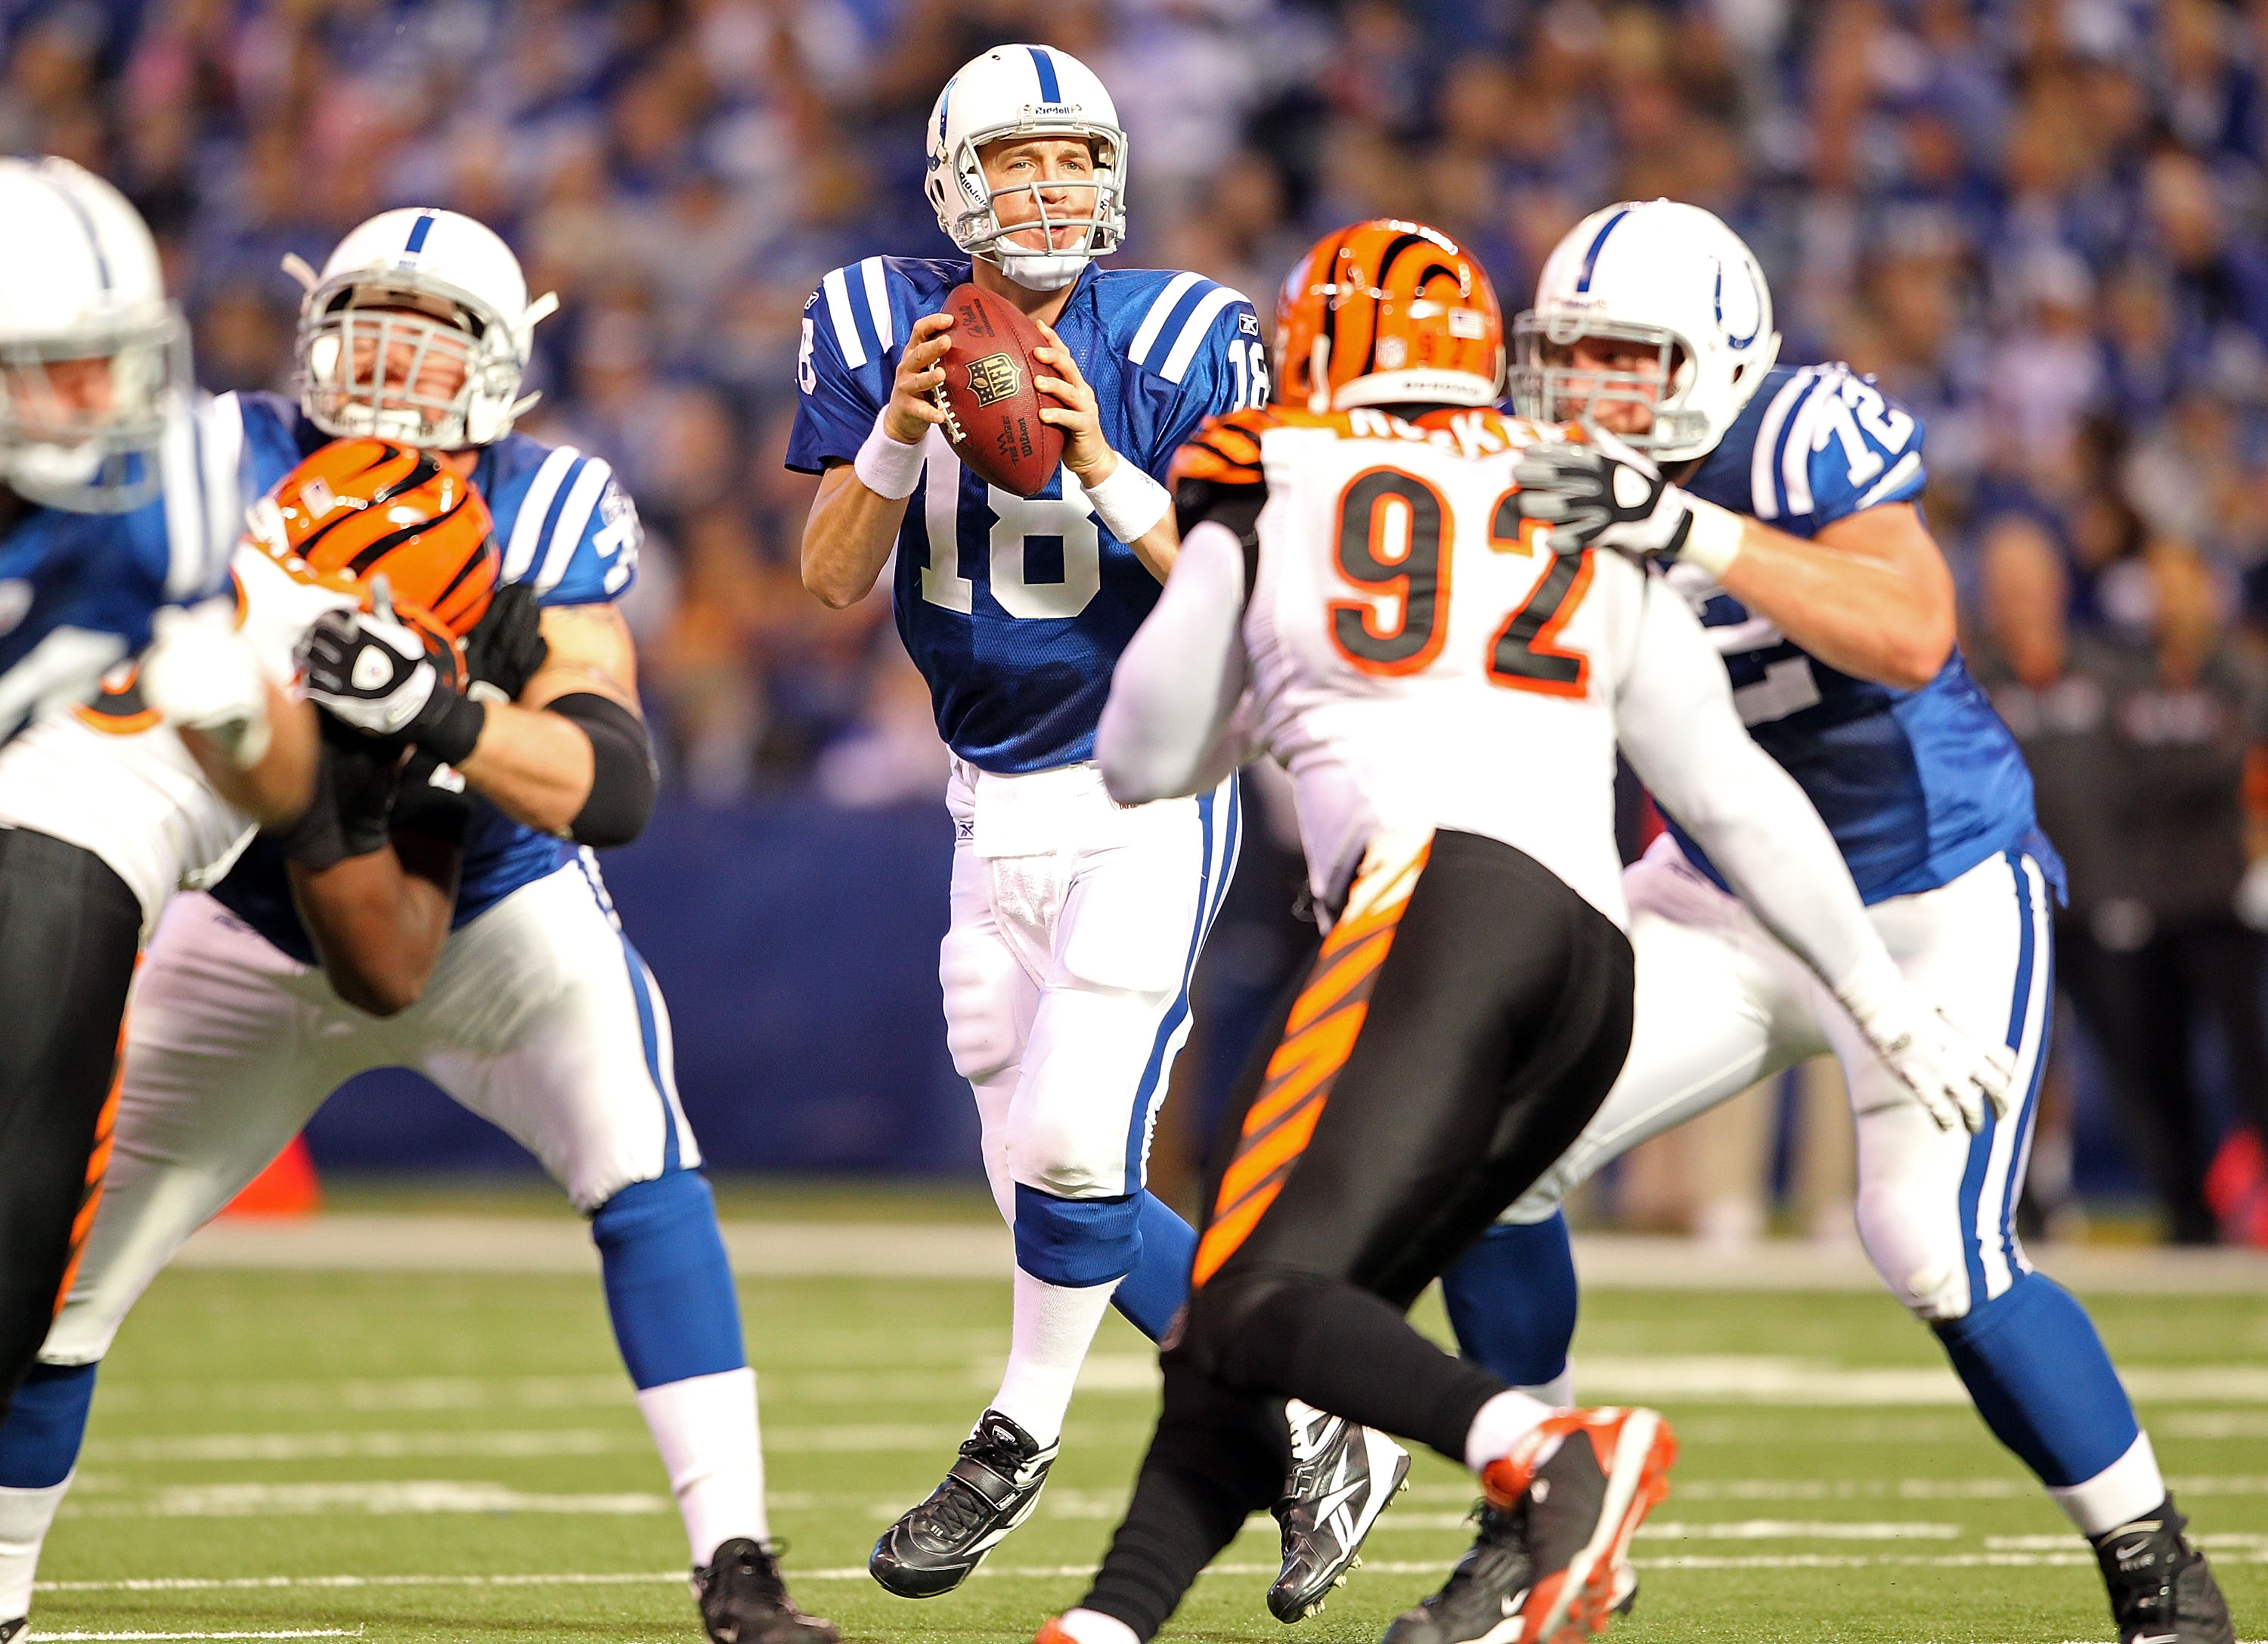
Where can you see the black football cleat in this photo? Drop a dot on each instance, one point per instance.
(991, 1489)
(1343, 1477)
(744, 1599)
(2162, 1589)
(12, 1630)
(1482, 1597)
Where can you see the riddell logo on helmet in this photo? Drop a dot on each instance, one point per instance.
(1055, 108)
(993, 378)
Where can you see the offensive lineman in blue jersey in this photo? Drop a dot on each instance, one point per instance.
(115, 506)
(1076, 924)
(1793, 528)
(528, 1004)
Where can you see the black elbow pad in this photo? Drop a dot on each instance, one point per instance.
(623, 774)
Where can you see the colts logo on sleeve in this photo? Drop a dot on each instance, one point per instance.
(993, 378)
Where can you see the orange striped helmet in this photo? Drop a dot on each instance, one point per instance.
(1387, 312)
(360, 509)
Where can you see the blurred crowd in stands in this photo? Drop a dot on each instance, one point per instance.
(2040, 222)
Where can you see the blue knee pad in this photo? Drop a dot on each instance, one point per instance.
(1166, 1249)
(1077, 1242)
(669, 1284)
(44, 1425)
(1512, 1300)
(2042, 1381)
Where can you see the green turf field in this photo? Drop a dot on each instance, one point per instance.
(417, 1456)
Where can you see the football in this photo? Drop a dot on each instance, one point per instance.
(992, 405)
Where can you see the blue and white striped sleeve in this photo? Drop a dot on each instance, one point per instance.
(851, 332)
(1205, 340)
(1832, 443)
(204, 502)
(575, 535)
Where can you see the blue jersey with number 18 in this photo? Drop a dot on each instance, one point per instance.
(1016, 609)
(1917, 787)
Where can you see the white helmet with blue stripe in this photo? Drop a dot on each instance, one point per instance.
(93, 360)
(418, 331)
(1661, 275)
(1026, 92)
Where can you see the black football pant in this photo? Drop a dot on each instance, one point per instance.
(1460, 1025)
(69, 932)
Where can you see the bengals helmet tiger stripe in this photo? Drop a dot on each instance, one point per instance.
(1387, 312)
(361, 509)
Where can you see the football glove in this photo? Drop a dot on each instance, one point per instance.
(199, 675)
(1601, 494)
(379, 675)
(1951, 1075)
(506, 647)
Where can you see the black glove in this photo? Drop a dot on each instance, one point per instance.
(380, 676)
(1601, 494)
(420, 805)
(356, 777)
(506, 647)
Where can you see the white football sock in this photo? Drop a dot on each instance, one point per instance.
(705, 1428)
(1092, 1626)
(1559, 1392)
(1055, 1325)
(1502, 1423)
(2129, 1488)
(26, 1517)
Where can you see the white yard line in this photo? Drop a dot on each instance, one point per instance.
(384, 1496)
(562, 1244)
(45, 1636)
(1070, 1572)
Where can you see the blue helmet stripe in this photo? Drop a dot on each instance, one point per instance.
(418, 230)
(1591, 257)
(1050, 88)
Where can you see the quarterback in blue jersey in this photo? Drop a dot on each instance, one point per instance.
(524, 1000)
(1783, 504)
(1076, 924)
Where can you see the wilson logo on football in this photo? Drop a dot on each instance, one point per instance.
(993, 378)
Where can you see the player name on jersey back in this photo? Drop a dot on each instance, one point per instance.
(1419, 659)
(1016, 608)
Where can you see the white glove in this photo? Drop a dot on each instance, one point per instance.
(1948, 1072)
(1603, 493)
(199, 675)
(2252, 895)
(369, 670)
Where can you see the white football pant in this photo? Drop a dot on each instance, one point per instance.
(538, 1017)
(1076, 925)
(1721, 1004)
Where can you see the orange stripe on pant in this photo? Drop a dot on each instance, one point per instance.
(97, 1166)
(1320, 1035)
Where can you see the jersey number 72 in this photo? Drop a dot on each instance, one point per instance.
(1393, 530)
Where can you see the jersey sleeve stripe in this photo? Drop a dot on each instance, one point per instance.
(877, 301)
(846, 323)
(1762, 491)
(1161, 310)
(223, 488)
(567, 535)
(1795, 453)
(1901, 473)
(534, 507)
(1194, 330)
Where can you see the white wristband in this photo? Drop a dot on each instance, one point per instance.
(1714, 540)
(1128, 503)
(887, 466)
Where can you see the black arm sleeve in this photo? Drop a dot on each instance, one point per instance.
(623, 774)
(1236, 506)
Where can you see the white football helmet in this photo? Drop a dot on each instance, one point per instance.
(417, 331)
(1665, 275)
(1025, 91)
(93, 359)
